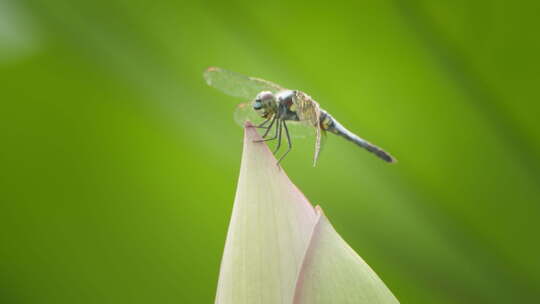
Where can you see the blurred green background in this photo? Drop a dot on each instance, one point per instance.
(119, 164)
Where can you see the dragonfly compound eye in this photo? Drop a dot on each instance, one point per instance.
(257, 105)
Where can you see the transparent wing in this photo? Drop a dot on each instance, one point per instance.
(238, 85)
(322, 144)
(307, 109)
(244, 112)
(300, 130)
(309, 113)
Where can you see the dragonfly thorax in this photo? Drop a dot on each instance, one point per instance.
(286, 105)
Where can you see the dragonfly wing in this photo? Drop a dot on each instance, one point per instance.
(244, 112)
(317, 145)
(307, 109)
(238, 85)
(309, 112)
(300, 130)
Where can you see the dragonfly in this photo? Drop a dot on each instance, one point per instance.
(278, 107)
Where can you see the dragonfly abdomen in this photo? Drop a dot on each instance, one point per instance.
(330, 124)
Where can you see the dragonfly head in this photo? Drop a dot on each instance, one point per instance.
(265, 103)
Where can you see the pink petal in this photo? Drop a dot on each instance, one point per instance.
(334, 273)
(269, 232)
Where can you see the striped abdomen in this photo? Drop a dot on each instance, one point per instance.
(328, 123)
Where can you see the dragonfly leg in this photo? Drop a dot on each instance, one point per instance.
(269, 127)
(288, 142)
(275, 135)
(261, 125)
(279, 127)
